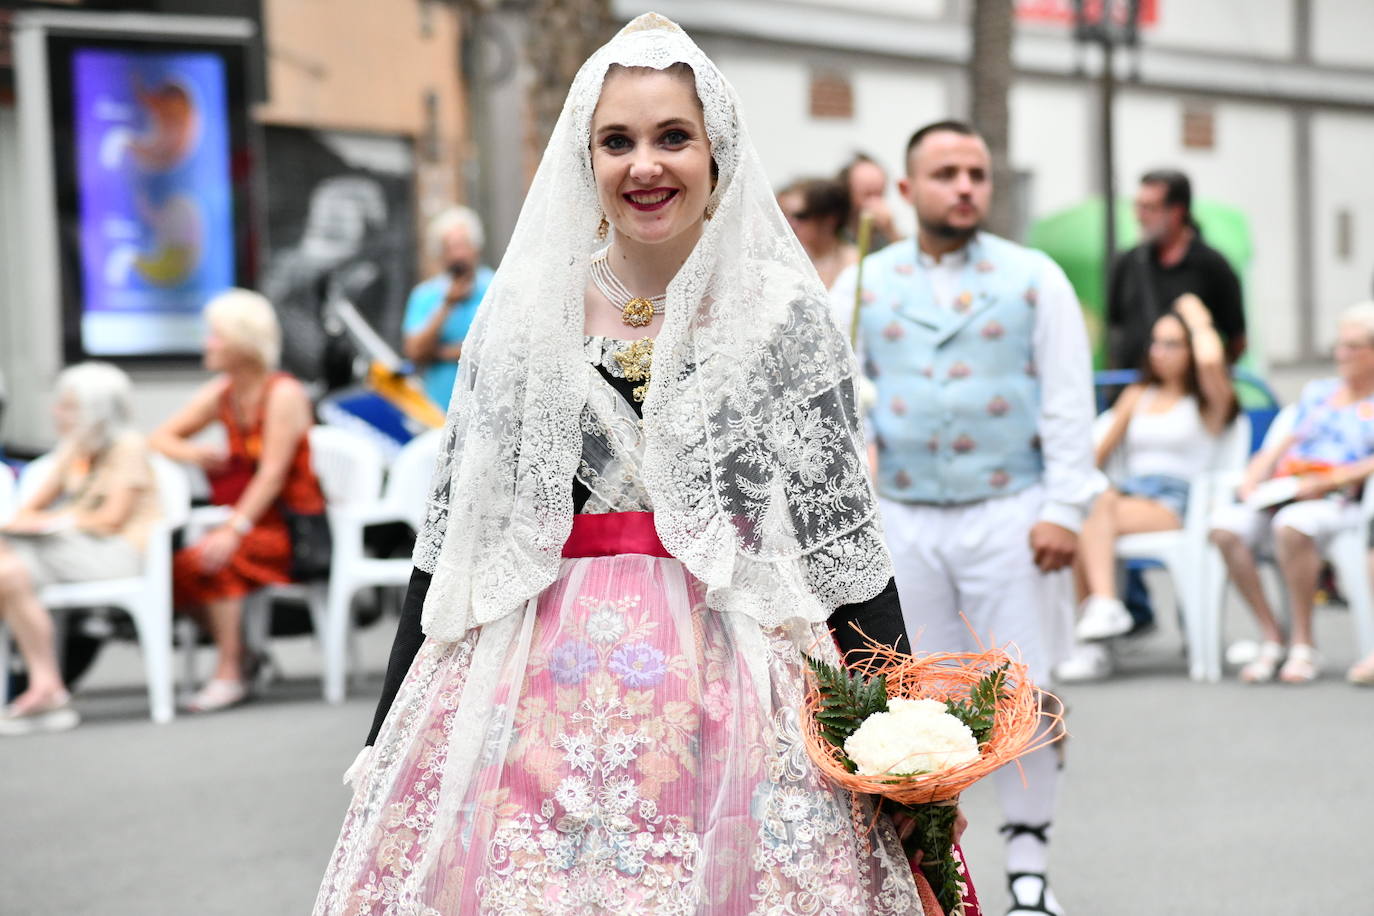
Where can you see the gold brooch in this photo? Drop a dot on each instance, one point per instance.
(636, 361)
(638, 312)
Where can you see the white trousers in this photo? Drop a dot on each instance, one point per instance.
(1319, 519)
(976, 559)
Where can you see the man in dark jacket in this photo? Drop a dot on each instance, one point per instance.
(1171, 260)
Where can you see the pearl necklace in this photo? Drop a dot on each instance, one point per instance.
(636, 311)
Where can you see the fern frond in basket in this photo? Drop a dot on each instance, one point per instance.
(979, 711)
(846, 700)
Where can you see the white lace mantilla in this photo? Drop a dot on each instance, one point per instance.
(750, 445)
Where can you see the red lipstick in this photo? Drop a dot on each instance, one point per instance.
(648, 201)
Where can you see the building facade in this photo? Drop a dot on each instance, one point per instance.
(1267, 104)
(358, 135)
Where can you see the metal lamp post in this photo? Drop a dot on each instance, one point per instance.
(1110, 24)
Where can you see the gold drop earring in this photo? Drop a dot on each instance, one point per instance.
(602, 230)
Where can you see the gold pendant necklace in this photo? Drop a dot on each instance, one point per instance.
(635, 311)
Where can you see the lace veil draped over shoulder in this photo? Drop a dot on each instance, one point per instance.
(752, 438)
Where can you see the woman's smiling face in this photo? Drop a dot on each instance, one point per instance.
(650, 154)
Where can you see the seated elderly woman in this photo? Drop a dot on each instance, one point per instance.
(88, 519)
(265, 415)
(1328, 455)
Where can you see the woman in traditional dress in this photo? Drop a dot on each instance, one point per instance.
(649, 504)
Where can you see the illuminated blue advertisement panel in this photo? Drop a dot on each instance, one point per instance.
(154, 194)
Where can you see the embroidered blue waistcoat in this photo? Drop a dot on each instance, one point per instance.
(958, 399)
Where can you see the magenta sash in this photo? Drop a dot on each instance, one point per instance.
(613, 533)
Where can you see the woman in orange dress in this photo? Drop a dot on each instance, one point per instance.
(265, 467)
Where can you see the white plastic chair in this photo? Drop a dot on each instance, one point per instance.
(1184, 552)
(349, 468)
(146, 598)
(403, 500)
(1347, 552)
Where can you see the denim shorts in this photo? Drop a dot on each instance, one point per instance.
(1170, 492)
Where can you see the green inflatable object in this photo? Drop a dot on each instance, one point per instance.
(1074, 239)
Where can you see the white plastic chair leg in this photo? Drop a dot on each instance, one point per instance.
(331, 644)
(1211, 586)
(155, 641)
(335, 639)
(1184, 572)
(1349, 556)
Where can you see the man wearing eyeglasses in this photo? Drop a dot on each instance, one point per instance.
(1171, 260)
(440, 310)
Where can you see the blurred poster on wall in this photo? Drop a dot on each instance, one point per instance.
(340, 214)
(154, 193)
(1062, 12)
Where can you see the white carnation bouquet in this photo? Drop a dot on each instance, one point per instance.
(913, 737)
(917, 731)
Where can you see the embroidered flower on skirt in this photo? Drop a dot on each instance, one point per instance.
(639, 665)
(571, 662)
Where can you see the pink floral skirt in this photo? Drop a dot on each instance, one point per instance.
(617, 747)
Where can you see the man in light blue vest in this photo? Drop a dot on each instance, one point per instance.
(981, 427)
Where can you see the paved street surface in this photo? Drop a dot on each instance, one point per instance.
(1181, 798)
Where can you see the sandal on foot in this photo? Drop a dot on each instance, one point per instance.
(1362, 674)
(1028, 898)
(55, 715)
(1301, 666)
(1262, 668)
(218, 694)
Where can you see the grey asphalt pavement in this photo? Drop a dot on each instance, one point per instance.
(1180, 798)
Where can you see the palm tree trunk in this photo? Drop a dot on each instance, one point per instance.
(990, 75)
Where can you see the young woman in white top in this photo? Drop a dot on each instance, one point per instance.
(1168, 424)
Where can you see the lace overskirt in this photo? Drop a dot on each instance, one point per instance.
(616, 748)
